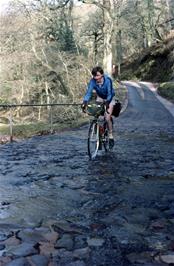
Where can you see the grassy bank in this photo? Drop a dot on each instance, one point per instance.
(121, 91)
(40, 128)
(166, 90)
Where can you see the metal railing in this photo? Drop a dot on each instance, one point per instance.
(10, 118)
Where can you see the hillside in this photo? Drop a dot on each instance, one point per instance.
(155, 64)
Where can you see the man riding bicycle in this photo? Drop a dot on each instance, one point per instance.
(103, 86)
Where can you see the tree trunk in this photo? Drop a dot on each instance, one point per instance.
(119, 51)
(95, 49)
(151, 27)
(108, 35)
(169, 14)
(47, 95)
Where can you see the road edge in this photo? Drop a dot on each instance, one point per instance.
(167, 104)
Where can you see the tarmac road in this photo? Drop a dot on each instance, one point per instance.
(59, 208)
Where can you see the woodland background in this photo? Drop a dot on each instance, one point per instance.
(48, 47)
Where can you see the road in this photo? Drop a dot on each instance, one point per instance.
(59, 208)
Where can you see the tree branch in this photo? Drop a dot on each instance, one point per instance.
(167, 21)
(54, 7)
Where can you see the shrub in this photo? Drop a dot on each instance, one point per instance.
(166, 90)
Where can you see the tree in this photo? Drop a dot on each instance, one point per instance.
(107, 7)
(92, 34)
(39, 55)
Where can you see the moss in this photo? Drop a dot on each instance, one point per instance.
(166, 90)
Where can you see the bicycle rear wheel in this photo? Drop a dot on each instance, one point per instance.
(93, 139)
(106, 135)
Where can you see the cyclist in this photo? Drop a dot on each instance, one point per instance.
(102, 85)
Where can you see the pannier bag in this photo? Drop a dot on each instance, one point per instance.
(117, 108)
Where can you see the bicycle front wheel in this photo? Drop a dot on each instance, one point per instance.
(106, 140)
(93, 139)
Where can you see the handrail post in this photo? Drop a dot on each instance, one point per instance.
(11, 125)
(51, 120)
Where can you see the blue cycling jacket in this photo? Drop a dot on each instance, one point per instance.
(105, 91)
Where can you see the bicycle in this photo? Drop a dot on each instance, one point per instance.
(98, 133)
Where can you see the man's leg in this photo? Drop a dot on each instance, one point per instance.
(110, 126)
(108, 118)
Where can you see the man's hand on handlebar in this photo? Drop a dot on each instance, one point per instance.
(83, 106)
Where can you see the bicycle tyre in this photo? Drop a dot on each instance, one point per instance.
(93, 139)
(106, 140)
(106, 135)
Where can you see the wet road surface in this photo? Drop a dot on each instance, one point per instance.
(59, 208)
